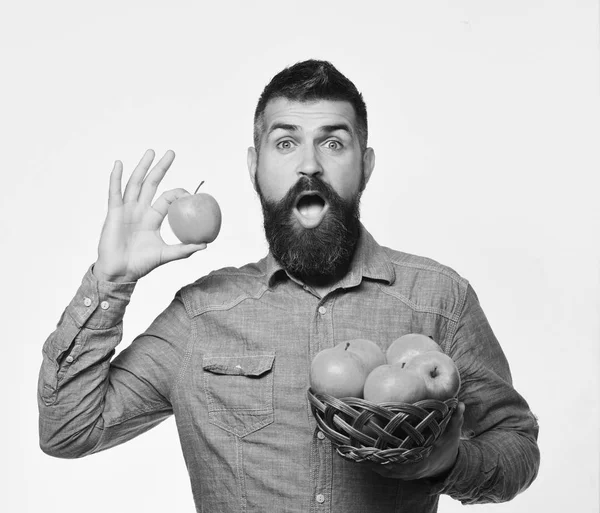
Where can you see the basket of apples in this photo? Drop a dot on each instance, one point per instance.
(383, 407)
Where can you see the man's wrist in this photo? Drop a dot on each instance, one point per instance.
(102, 276)
(444, 470)
(442, 481)
(442, 473)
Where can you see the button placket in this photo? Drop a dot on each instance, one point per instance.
(322, 338)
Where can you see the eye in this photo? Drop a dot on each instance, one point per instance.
(285, 145)
(333, 145)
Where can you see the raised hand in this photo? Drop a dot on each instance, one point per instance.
(130, 244)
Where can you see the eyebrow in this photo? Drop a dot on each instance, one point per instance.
(339, 126)
(283, 126)
(325, 128)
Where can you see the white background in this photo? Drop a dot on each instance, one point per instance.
(485, 121)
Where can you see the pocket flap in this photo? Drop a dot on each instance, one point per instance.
(252, 366)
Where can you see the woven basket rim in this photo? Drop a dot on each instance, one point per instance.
(408, 432)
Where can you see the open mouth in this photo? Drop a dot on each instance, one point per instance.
(310, 209)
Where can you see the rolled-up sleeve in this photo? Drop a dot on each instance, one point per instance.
(498, 454)
(87, 402)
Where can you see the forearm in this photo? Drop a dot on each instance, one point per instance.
(74, 374)
(500, 457)
(493, 467)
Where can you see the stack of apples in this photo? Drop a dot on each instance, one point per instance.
(413, 368)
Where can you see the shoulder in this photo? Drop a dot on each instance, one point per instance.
(421, 267)
(426, 284)
(224, 288)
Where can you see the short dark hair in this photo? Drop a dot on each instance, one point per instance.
(307, 81)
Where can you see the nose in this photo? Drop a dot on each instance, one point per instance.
(310, 165)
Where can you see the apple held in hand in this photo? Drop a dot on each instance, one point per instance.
(338, 371)
(196, 218)
(439, 372)
(394, 383)
(403, 349)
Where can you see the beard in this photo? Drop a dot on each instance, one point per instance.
(320, 252)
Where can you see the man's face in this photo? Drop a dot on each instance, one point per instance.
(309, 174)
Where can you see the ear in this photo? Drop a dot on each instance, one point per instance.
(368, 163)
(252, 161)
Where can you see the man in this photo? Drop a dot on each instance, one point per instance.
(230, 356)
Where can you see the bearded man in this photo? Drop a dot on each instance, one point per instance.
(230, 356)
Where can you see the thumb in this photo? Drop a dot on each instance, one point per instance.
(456, 421)
(179, 251)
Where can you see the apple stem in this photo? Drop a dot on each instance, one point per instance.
(198, 186)
(347, 346)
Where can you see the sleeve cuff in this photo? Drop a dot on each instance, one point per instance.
(99, 304)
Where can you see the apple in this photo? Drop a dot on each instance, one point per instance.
(195, 218)
(368, 351)
(407, 346)
(339, 372)
(439, 372)
(394, 383)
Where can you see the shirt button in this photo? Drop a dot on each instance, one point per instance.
(322, 310)
(320, 435)
(69, 359)
(87, 301)
(320, 498)
(104, 305)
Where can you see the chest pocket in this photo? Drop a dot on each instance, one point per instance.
(239, 391)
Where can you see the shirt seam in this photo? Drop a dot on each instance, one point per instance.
(452, 329)
(440, 269)
(188, 351)
(226, 306)
(426, 309)
(230, 272)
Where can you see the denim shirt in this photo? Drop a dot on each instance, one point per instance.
(230, 359)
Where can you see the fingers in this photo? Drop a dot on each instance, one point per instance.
(456, 421)
(458, 416)
(162, 204)
(114, 189)
(154, 177)
(179, 251)
(132, 190)
(141, 186)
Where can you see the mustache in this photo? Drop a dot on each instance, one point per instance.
(313, 184)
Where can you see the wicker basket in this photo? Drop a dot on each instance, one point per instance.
(382, 433)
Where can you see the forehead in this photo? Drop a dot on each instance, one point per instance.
(308, 115)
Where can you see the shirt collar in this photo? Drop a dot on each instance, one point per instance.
(370, 261)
